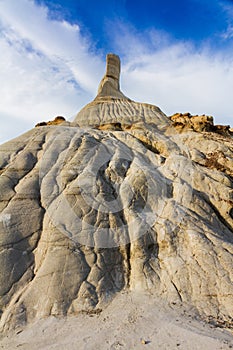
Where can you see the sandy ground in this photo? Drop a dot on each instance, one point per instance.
(131, 321)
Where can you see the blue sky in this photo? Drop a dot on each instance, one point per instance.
(194, 20)
(175, 54)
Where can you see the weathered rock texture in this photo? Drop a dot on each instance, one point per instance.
(116, 200)
(184, 122)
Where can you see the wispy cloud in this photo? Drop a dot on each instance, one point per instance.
(55, 39)
(228, 34)
(177, 76)
(47, 67)
(227, 8)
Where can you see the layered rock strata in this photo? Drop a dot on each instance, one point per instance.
(116, 200)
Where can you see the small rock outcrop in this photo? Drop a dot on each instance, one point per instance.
(58, 120)
(118, 199)
(199, 123)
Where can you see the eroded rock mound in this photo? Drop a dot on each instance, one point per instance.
(128, 203)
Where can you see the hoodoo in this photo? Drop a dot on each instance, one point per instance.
(112, 106)
(120, 199)
(109, 86)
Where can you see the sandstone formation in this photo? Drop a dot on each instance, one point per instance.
(118, 199)
(58, 120)
(184, 122)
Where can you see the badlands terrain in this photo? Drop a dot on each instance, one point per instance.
(116, 229)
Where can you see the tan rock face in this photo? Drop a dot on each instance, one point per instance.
(127, 203)
(184, 122)
(110, 84)
(188, 122)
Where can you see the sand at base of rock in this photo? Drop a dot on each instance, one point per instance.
(131, 321)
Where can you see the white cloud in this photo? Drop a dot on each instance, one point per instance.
(46, 67)
(49, 68)
(177, 76)
(228, 34)
(55, 39)
(227, 9)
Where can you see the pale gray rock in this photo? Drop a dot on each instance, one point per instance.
(116, 200)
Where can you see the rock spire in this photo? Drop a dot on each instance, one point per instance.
(110, 84)
(112, 106)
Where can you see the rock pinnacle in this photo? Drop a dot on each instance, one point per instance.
(110, 84)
